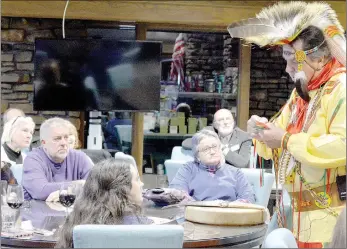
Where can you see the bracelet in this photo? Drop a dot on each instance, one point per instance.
(285, 139)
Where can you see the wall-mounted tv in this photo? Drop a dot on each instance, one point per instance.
(103, 75)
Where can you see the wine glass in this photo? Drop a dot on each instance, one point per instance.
(3, 190)
(15, 196)
(67, 195)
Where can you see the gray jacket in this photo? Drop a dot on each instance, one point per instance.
(238, 158)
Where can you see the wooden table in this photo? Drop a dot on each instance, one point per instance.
(196, 235)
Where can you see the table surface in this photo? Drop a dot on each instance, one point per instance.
(196, 235)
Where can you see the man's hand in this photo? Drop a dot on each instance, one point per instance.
(272, 136)
(252, 128)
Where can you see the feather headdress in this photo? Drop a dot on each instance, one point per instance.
(281, 23)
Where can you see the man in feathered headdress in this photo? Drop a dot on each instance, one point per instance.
(307, 139)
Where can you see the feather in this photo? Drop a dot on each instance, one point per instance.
(251, 27)
(284, 20)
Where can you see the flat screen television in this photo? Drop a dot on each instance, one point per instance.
(97, 75)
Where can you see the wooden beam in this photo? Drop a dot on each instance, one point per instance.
(137, 117)
(244, 85)
(199, 13)
(185, 27)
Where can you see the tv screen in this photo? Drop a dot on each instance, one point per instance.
(103, 75)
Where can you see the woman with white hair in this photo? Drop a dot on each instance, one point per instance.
(208, 177)
(16, 137)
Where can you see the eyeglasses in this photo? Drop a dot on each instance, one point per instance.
(208, 148)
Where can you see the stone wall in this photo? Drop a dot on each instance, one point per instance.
(17, 66)
(270, 84)
(203, 54)
(230, 64)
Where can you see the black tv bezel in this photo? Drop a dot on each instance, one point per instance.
(93, 39)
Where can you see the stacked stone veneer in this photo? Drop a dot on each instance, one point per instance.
(270, 84)
(17, 66)
(203, 54)
(231, 64)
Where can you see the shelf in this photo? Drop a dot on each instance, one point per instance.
(203, 95)
(152, 135)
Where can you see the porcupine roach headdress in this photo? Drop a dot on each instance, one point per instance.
(281, 23)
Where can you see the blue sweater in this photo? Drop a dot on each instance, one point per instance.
(227, 183)
(41, 176)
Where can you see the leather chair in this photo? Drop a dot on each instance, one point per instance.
(180, 154)
(280, 238)
(97, 155)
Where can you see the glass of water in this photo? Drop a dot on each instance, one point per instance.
(8, 217)
(3, 190)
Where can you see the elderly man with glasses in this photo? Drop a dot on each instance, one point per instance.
(208, 178)
(236, 143)
(47, 167)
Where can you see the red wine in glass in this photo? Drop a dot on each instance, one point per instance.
(15, 205)
(15, 196)
(67, 199)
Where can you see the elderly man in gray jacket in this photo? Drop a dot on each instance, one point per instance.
(236, 143)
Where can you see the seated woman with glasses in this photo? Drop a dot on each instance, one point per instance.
(16, 138)
(208, 177)
(112, 195)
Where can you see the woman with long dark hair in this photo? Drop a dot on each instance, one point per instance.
(111, 195)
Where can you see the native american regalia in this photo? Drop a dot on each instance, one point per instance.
(313, 151)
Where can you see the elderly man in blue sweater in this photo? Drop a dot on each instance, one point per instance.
(47, 167)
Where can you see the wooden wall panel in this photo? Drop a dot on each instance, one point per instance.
(203, 13)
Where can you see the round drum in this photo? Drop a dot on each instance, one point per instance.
(226, 216)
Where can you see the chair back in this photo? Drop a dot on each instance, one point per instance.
(128, 236)
(172, 167)
(280, 238)
(125, 133)
(180, 154)
(17, 170)
(287, 210)
(97, 155)
(262, 193)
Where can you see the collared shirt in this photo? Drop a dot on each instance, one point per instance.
(226, 139)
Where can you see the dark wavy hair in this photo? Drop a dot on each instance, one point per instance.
(104, 199)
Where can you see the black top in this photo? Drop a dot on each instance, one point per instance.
(13, 155)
